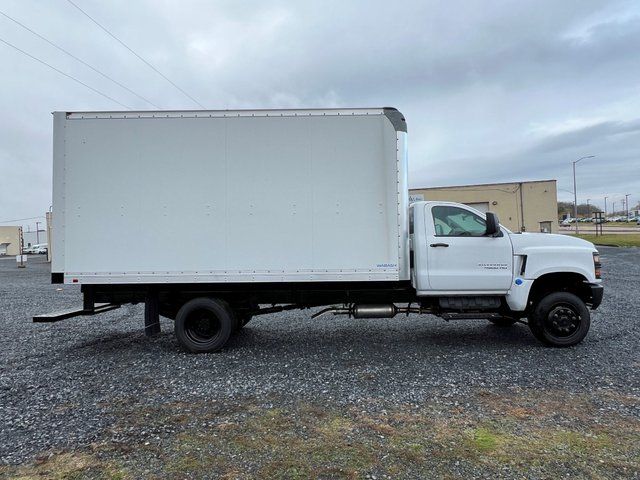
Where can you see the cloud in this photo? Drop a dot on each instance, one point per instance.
(586, 137)
(498, 90)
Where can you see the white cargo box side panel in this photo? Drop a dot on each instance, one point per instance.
(236, 198)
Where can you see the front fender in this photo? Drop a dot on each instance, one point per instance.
(541, 261)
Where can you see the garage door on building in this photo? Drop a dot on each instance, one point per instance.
(481, 206)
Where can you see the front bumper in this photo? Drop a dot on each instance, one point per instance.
(597, 290)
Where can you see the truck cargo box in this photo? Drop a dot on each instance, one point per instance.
(230, 196)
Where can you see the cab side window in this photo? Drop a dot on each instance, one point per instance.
(457, 222)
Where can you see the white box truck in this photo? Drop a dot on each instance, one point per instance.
(214, 217)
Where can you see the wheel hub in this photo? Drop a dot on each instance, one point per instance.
(563, 320)
(202, 326)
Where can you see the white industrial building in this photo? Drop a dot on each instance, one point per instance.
(33, 237)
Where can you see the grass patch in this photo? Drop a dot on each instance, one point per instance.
(66, 466)
(484, 439)
(616, 240)
(621, 224)
(528, 433)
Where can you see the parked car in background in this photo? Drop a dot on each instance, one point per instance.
(29, 249)
(42, 249)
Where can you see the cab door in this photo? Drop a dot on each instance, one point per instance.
(460, 257)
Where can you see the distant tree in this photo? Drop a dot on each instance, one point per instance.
(565, 207)
(583, 209)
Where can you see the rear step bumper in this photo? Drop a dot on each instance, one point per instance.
(64, 314)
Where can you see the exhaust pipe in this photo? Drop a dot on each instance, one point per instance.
(385, 310)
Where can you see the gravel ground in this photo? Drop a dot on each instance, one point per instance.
(78, 391)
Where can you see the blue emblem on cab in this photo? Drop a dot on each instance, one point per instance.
(519, 281)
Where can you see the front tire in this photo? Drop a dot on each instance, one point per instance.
(204, 325)
(560, 319)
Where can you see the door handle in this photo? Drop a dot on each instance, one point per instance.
(439, 245)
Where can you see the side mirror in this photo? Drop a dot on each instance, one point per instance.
(493, 225)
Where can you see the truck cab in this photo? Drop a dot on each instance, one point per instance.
(463, 262)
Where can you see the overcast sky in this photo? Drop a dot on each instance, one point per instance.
(492, 91)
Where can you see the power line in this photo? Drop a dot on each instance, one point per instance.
(80, 60)
(133, 52)
(65, 74)
(21, 219)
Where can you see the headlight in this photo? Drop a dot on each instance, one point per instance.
(597, 266)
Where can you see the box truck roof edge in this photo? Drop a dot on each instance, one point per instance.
(396, 117)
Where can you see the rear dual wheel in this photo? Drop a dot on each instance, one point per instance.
(204, 325)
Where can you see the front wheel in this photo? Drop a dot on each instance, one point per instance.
(560, 319)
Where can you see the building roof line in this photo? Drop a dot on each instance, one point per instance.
(482, 185)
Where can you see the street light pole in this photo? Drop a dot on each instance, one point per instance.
(38, 234)
(575, 191)
(588, 209)
(605, 209)
(626, 198)
(575, 198)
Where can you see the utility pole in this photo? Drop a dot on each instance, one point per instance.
(38, 234)
(605, 209)
(588, 208)
(614, 208)
(575, 191)
(626, 198)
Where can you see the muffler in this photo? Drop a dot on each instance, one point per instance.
(383, 310)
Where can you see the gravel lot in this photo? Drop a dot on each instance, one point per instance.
(292, 397)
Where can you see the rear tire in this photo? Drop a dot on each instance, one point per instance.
(560, 319)
(204, 325)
